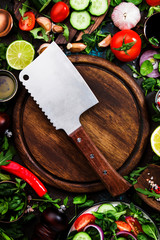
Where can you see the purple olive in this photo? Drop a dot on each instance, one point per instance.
(4, 122)
(55, 219)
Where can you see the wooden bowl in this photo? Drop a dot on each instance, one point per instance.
(153, 171)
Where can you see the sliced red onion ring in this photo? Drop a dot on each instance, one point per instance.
(99, 229)
(124, 234)
(148, 55)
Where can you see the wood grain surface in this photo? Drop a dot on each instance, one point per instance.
(73, 33)
(118, 125)
(151, 171)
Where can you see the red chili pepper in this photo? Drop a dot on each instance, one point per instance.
(28, 176)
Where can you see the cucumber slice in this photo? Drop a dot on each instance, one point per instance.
(105, 208)
(82, 236)
(79, 4)
(98, 7)
(80, 20)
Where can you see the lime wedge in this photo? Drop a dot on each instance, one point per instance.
(19, 54)
(155, 141)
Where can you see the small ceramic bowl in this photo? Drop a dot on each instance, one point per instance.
(8, 85)
(151, 30)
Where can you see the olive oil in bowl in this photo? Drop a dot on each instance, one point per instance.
(8, 85)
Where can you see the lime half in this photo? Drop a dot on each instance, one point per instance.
(19, 54)
(155, 141)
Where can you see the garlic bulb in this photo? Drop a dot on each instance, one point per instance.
(126, 15)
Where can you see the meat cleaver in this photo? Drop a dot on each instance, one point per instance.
(63, 95)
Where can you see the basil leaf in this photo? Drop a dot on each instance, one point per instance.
(80, 199)
(150, 230)
(88, 203)
(146, 68)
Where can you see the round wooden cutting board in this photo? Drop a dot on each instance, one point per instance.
(118, 126)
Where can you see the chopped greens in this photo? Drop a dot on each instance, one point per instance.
(154, 41)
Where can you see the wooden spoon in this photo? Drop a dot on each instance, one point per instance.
(148, 173)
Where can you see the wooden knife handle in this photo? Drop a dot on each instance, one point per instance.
(112, 180)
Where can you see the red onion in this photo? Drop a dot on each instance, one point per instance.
(99, 229)
(124, 234)
(148, 55)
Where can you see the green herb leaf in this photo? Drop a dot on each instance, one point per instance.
(79, 199)
(24, 8)
(135, 2)
(150, 230)
(142, 236)
(154, 41)
(65, 201)
(146, 68)
(39, 33)
(4, 177)
(88, 203)
(66, 31)
(148, 193)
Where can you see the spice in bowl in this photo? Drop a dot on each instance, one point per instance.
(157, 100)
(6, 22)
(8, 85)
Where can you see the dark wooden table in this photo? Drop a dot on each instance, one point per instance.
(129, 196)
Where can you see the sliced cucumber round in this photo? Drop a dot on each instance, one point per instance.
(98, 7)
(105, 208)
(80, 20)
(82, 236)
(79, 5)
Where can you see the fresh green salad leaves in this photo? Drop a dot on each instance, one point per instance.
(12, 200)
(132, 177)
(146, 68)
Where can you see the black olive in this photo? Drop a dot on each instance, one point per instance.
(55, 219)
(43, 231)
(4, 122)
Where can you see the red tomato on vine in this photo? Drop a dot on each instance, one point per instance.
(126, 45)
(153, 2)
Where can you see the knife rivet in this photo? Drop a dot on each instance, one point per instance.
(78, 139)
(105, 172)
(91, 155)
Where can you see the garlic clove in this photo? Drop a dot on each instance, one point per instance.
(57, 28)
(105, 42)
(126, 15)
(42, 47)
(45, 23)
(76, 47)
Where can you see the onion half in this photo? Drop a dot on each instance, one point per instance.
(99, 229)
(148, 55)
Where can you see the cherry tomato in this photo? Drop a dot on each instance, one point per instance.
(153, 2)
(126, 45)
(59, 12)
(122, 226)
(4, 122)
(27, 22)
(83, 221)
(134, 224)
